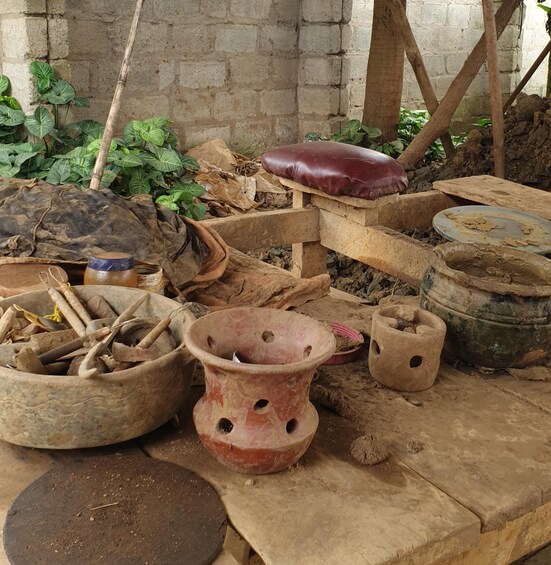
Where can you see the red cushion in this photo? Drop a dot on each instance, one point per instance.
(337, 168)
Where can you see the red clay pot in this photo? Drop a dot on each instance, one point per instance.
(255, 416)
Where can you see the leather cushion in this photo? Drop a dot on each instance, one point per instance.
(337, 168)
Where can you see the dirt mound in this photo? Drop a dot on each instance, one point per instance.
(527, 149)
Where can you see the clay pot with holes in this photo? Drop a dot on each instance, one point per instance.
(406, 344)
(255, 416)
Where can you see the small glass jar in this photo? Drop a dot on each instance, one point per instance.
(111, 268)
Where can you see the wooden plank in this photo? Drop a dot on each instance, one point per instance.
(512, 541)
(350, 200)
(483, 447)
(414, 210)
(382, 248)
(492, 191)
(328, 508)
(362, 216)
(309, 258)
(268, 229)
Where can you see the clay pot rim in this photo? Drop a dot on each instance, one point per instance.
(253, 368)
(441, 253)
(438, 324)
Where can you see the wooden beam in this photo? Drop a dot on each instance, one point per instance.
(535, 66)
(489, 190)
(382, 248)
(309, 258)
(268, 229)
(415, 210)
(498, 128)
(441, 119)
(418, 65)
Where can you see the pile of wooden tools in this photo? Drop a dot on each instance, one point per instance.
(92, 339)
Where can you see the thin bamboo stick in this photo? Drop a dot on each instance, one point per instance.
(498, 129)
(116, 103)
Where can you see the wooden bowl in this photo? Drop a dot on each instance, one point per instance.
(67, 412)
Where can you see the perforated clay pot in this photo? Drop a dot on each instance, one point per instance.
(255, 416)
(406, 344)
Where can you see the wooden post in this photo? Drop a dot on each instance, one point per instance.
(535, 66)
(498, 129)
(116, 103)
(441, 119)
(309, 259)
(416, 60)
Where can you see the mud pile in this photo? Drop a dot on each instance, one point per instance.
(527, 149)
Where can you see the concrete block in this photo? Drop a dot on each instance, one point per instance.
(476, 20)
(251, 9)
(435, 64)
(150, 37)
(354, 67)
(286, 130)
(256, 135)
(192, 39)
(215, 8)
(362, 11)
(56, 7)
(287, 10)
(88, 39)
(24, 38)
(203, 74)
(441, 85)
(234, 38)
(62, 69)
(193, 136)
(170, 11)
(320, 70)
(326, 11)
(192, 107)
(356, 39)
(167, 74)
(455, 62)
(103, 78)
(236, 105)
(320, 39)
(250, 69)
(278, 38)
(23, 7)
(58, 35)
(432, 13)
(309, 125)
(80, 77)
(278, 102)
(143, 107)
(347, 10)
(22, 83)
(458, 15)
(356, 94)
(284, 72)
(321, 101)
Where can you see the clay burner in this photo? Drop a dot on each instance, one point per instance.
(406, 343)
(255, 416)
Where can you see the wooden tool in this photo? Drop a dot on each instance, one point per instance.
(6, 322)
(70, 294)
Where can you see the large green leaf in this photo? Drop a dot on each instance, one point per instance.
(192, 189)
(61, 93)
(130, 135)
(22, 157)
(189, 163)
(166, 161)
(128, 161)
(168, 202)
(10, 101)
(9, 171)
(40, 123)
(81, 102)
(94, 146)
(158, 121)
(139, 182)
(4, 83)
(44, 74)
(5, 159)
(107, 178)
(154, 135)
(11, 117)
(90, 129)
(59, 173)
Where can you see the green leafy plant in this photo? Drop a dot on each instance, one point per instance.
(144, 161)
(410, 124)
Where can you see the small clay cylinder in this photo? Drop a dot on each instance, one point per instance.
(406, 343)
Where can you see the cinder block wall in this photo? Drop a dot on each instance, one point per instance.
(254, 72)
(218, 68)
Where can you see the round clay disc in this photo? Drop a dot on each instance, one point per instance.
(123, 509)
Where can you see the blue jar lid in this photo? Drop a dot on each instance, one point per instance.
(111, 262)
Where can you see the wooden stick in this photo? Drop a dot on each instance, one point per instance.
(440, 120)
(68, 313)
(498, 128)
(154, 334)
(6, 322)
(71, 295)
(535, 66)
(27, 361)
(418, 65)
(69, 347)
(115, 104)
